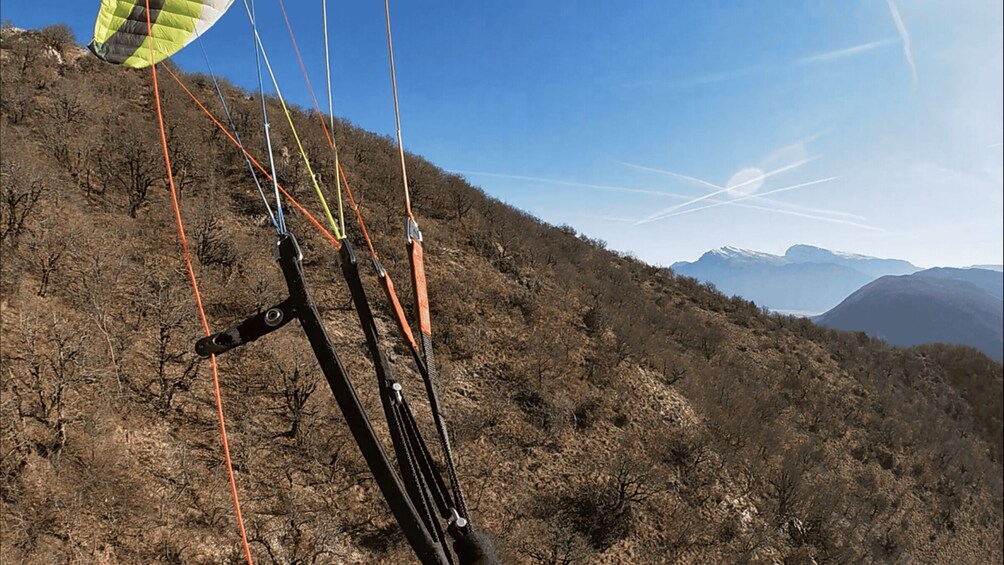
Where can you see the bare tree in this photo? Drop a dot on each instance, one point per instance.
(558, 544)
(45, 368)
(296, 391)
(175, 366)
(20, 192)
(131, 168)
(47, 249)
(461, 199)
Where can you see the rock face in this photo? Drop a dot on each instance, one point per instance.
(959, 306)
(805, 279)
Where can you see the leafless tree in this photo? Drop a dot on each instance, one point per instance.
(131, 168)
(20, 192)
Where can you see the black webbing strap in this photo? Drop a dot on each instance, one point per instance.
(385, 383)
(414, 459)
(300, 305)
(434, 480)
(423, 482)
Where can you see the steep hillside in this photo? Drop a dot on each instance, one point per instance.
(604, 410)
(925, 308)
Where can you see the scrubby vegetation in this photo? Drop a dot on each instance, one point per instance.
(604, 410)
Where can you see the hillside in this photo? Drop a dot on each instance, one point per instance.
(604, 410)
(936, 306)
(988, 280)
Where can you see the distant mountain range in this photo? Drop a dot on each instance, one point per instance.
(961, 306)
(998, 268)
(806, 279)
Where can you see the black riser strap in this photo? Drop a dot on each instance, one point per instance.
(409, 473)
(426, 548)
(430, 377)
(433, 478)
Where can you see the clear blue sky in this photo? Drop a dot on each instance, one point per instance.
(606, 114)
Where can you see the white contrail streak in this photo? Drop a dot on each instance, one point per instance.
(819, 58)
(809, 209)
(571, 183)
(756, 179)
(712, 186)
(694, 180)
(721, 76)
(740, 199)
(905, 36)
(799, 215)
(613, 219)
(994, 145)
(795, 213)
(843, 53)
(811, 213)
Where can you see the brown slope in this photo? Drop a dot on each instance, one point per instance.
(605, 411)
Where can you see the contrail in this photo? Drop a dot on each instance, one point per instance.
(720, 76)
(694, 180)
(621, 220)
(572, 183)
(806, 211)
(842, 53)
(613, 219)
(818, 58)
(672, 209)
(740, 199)
(712, 186)
(905, 36)
(810, 210)
(994, 145)
(799, 215)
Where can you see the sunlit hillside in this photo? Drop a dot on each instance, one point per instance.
(603, 410)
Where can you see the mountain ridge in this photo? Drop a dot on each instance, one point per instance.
(806, 278)
(931, 306)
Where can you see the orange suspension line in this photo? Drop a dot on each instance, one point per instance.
(327, 234)
(331, 141)
(329, 135)
(195, 290)
(303, 68)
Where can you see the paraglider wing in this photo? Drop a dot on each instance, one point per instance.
(122, 32)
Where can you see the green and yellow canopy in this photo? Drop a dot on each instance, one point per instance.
(122, 34)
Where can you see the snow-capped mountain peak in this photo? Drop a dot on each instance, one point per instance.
(731, 253)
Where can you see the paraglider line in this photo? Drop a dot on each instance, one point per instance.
(327, 234)
(195, 289)
(237, 135)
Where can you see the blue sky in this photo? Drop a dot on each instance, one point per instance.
(670, 128)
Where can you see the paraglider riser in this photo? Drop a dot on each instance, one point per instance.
(300, 306)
